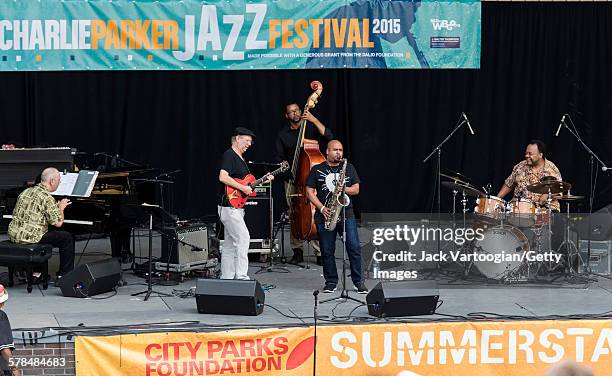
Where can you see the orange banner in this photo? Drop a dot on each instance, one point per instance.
(468, 348)
(261, 352)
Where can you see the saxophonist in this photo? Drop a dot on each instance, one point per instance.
(329, 193)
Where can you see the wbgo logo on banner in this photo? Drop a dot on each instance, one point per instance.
(444, 24)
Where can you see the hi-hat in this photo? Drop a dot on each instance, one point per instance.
(553, 187)
(468, 189)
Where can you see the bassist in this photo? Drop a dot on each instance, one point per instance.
(286, 141)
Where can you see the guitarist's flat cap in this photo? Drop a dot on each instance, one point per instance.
(242, 131)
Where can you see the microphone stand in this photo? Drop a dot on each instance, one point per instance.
(147, 293)
(273, 233)
(316, 304)
(438, 151)
(592, 182)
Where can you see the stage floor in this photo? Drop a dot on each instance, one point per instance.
(290, 293)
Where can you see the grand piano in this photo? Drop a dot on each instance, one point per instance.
(112, 209)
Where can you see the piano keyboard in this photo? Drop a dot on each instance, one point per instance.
(71, 221)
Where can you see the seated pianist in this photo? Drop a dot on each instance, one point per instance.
(35, 210)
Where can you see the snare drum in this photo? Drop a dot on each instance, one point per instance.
(490, 206)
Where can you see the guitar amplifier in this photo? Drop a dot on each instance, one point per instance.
(257, 219)
(186, 245)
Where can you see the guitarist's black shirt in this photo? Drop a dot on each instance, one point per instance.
(323, 178)
(236, 167)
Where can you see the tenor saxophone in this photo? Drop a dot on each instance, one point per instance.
(337, 200)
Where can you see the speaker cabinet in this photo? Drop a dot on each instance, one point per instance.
(91, 279)
(229, 297)
(403, 298)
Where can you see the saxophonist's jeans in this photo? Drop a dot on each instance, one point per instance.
(327, 241)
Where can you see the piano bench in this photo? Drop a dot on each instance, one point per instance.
(15, 255)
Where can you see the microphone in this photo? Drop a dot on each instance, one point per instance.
(604, 168)
(468, 122)
(560, 125)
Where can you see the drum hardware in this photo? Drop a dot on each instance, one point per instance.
(567, 244)
(468, 189)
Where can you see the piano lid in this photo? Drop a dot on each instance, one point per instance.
(19, 166)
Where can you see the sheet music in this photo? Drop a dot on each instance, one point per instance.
(79, 185)
(85, 183)
(67, 183)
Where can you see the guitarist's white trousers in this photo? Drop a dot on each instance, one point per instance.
(235, 249)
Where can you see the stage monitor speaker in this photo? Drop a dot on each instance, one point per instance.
(187, 245)
(229, 297)
(91, 279)
(403, 298)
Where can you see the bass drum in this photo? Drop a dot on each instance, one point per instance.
(511, 241)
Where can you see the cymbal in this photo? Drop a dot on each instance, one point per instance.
(548, 178)
(468, 189)
(552, 186)
(455, 179)
(569, 197)
(456, 176)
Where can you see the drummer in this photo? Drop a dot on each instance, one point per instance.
(531, 171)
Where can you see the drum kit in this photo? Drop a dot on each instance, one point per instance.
(519, 225)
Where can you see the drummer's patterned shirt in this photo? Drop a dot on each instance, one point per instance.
(523, 175)
(34, 211)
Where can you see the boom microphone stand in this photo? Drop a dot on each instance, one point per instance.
(592, 180)
(438, 151)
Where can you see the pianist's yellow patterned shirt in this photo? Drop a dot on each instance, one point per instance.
(34, 211)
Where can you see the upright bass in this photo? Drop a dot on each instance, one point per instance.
(307, 154)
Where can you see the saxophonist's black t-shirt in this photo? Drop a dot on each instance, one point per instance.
(323, 178)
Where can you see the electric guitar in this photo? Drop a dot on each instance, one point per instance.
(237, 198)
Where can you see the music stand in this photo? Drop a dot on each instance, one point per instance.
(158, 211)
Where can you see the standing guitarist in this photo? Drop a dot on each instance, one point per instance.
(234, 253)
(286, 141)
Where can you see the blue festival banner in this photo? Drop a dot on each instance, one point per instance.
(214, 34)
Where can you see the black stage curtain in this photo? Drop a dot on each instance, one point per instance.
(539, 60)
